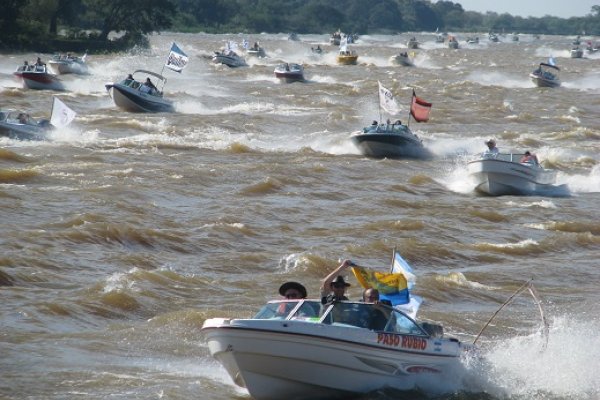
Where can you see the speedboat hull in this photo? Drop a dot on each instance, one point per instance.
(540, 81)
(22, 131)
(389, 141)
(400, 59)
(298, 360)
(347, 59)
(39, 80)
(68, 67)
(230, 61)
(497, 177)
(291, 73)
(134, 100)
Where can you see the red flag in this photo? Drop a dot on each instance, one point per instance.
(419, 109)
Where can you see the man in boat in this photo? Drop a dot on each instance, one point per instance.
(293, 290)
(529, 158)
(39, 62)
(151, 88)
(333, 287)
(492, 149)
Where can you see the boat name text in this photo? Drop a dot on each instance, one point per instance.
(407, 342)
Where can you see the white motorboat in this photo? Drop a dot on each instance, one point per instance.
(402, 59)
(493, 37)
(38, 77)
(229, 58)
(500, 174)
(289, 72)
(300, 349)
(19, 125)
(473, 40)
(67, 64)
(412, 43)
(546, 75)
(576, 52)
(393, 140)
(452, 42)
(135, 96)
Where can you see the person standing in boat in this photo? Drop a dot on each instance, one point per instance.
(293, 290)
(333, 287)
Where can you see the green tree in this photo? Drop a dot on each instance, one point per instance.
(131, 16)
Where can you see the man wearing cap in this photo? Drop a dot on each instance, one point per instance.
(333, 287)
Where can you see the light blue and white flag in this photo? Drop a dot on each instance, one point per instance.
(61, 115)
(245, 44)
(552, 61)
(177, 59)
(399, 265)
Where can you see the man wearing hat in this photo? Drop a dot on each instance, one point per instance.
(333, 287)
(293, 290)
(492, 149)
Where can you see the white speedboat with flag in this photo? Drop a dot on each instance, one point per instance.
(136, 95)
(289, 72)
(229, 57)
(402, 59)
(20, 125)
(303, 349)
(393, 140)
(500, 174)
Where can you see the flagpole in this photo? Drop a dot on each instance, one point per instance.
(379, 98)
(410, 108)
(393, 257)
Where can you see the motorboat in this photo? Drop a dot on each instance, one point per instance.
(577, 41)
(412, 43)
(256, 51)
(515, 37)
(493, 37)
(500, 174)
(301, 349)
(546, 75)
(229, 58)
(473, 40)
(591, 47)
(576, 52)
(316, 50)
(67, 64)
(347, 57)
(289, 72)
(19, 125)
(38, 77)
(402, 59)
(452, 42)
(136, 96)
(440, 38)
(335, 39)
(293, 36)
(393, 140)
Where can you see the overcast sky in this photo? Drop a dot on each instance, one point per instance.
(531, 8)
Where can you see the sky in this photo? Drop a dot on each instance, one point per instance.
(531, 8)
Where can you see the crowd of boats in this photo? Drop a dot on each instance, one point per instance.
(498, 175)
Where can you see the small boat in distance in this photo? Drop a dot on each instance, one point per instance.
(136, 95)
(452, 42)
(412, 43)
(393, 140)
(293, 36)
(38, 77)
(498, 174)
(493, 37)
(256, 51)
(576, 52)
(345, 56)
(289, 72)
(229, 58)
(402, 59)
(473, 40)
(68, 64)
(546, 75)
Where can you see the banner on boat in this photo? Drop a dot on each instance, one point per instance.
(177, 59)
(387, 100)
(391, 286)
(419, 109)
(62, 115)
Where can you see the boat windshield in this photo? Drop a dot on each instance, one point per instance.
(290, 309)
(386, 128)
(375, 317)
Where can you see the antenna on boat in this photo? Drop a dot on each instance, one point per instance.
(529, 286)
(393, 257)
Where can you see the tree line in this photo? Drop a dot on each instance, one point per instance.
(118, 24)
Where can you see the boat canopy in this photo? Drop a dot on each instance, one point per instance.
(159, 76)
(549, 66)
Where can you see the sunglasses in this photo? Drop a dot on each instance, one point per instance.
(292, 295)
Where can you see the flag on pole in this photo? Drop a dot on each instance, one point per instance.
(419, 109)
(61, 114)
(399, 265)
(177, 59)
(552, 61)
(387, 100)
(391, 286)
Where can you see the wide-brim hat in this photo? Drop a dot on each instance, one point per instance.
(293, 285)
(340, 280)
(490, 141)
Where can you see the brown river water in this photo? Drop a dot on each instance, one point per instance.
(124, 232)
